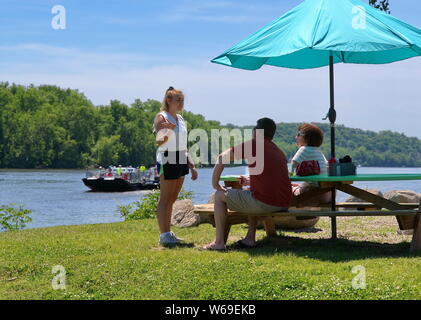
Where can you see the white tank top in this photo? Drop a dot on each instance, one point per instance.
(177, 139)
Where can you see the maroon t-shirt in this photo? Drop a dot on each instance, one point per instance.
(269, 180)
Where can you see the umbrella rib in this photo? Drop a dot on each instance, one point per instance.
(343, 57)
(317, 23)
(418, 52)
(400, 36)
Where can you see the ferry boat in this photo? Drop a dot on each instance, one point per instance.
(120, 179)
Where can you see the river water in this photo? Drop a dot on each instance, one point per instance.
(59, 197)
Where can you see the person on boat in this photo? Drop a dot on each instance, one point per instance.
(173, 161)
(270, 187)
(309, 139)
(119, 170)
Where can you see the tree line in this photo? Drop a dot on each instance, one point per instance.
(50, 127)
(367, 148)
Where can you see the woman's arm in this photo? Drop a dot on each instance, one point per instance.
(162, 123)
(297, 158)
(162, 126)
(190, 161)
(192, 167)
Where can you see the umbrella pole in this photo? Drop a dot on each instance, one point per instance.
(332, 119)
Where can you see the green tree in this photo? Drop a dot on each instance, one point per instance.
(382, 5)
(14, 217)
(52, 127)
(109, 151)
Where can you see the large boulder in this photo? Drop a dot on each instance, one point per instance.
(403, 196)
(183, 214)
(373, 191)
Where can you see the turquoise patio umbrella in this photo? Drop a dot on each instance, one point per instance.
(318, 33)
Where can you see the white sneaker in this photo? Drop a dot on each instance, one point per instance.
(168, 238)
(175, 237)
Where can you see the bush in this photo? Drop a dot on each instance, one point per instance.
(146, 207)
(13, 217)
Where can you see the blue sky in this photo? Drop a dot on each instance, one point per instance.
(135, 49)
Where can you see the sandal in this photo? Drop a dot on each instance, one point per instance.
(210, 248)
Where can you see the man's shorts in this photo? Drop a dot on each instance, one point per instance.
(244, 202)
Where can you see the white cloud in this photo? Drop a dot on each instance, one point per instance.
(216, 11)
(367, 96)
(73, 59)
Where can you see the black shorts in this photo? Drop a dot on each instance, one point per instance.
(176, 167)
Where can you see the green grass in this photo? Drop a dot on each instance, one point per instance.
(123, 261)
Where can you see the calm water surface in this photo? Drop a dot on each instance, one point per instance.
(59, 197)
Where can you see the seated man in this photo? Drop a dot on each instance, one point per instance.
(270, 187)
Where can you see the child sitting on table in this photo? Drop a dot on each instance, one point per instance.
(309, 139)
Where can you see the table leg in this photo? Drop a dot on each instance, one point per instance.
(405, 223)
(333, 219)
(302, 199)
(416, 238)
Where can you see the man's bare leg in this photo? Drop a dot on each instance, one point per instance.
(220, 213)
(250, 239)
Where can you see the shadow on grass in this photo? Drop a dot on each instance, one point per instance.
(178, 245)
(304, 230)
(333, 250)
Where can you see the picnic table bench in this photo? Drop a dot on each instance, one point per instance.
(407, 215)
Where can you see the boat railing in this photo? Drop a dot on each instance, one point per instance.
(141, 176)
(132, 177)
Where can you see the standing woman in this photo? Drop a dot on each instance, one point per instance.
(173, 160)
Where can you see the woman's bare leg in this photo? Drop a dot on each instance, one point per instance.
(165, 203)
(178, 184)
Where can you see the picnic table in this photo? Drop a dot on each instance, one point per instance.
(408, 219)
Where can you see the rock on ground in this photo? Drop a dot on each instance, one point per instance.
(403, 196)
(373, 191)
(183, 214)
